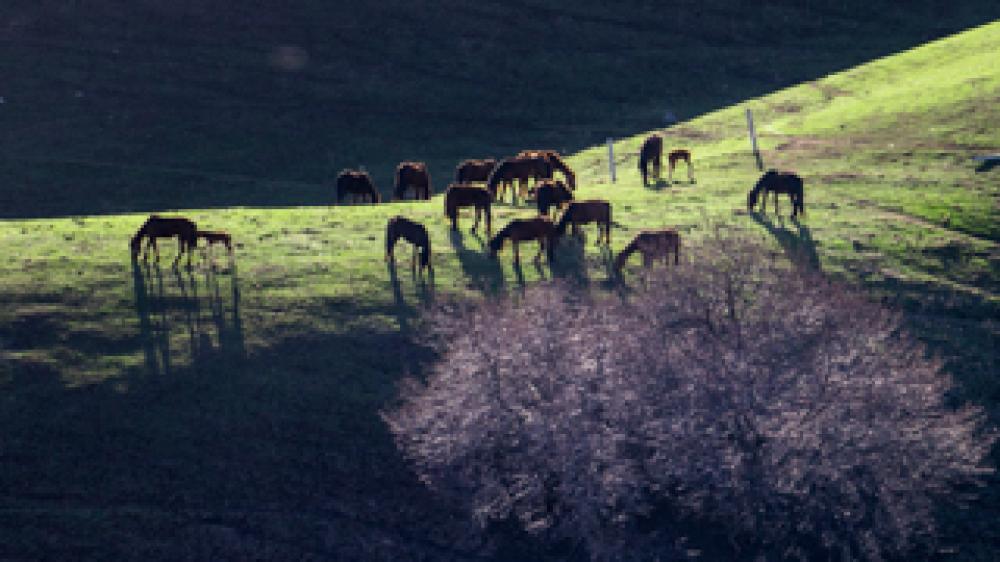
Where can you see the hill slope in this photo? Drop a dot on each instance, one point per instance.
(153, 414)
(113, 106)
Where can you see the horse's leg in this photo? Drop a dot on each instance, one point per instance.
(475, 225)
(517, 253)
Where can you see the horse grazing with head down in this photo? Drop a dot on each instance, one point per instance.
(777, 182)
(463, 195)
(474, 170)
(521, 230)
(412, 175)
(358, 185)
(652, 244)
(583, 212)
(520, 170)
(679, 155)
(650, 153)
(165, 227)
(414, 233)
(556, 161)
(551, 193)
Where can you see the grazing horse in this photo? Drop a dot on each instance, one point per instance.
(412, 175)
(463, 195)
(216, 237)
(582, 212)
(651, 152)
(652, 244)
(520, 230)
(777, 182)
(474, 170)
(520, 169)
(679, 155)
(414, 233)
(356, 184)
(551, 193)
(165, 227)
(557, 163)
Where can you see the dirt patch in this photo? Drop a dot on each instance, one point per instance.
(829, 91)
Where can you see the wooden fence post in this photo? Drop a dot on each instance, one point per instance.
(611, 158)
(753, 141)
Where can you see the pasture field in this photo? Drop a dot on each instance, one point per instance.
(233, 411)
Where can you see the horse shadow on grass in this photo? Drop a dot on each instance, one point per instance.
(799, 246)
(484, 273)
(987, 165)
(200, 303)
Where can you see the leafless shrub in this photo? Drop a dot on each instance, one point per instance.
(759, 403)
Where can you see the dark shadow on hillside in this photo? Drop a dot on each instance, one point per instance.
(166, 301)
(157, 125)
(798, 244)
(484, 273)
(570, 264)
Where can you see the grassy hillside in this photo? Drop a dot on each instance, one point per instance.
(111, 106)
(157, 415)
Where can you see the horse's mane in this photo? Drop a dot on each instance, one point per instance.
(625, 253)
(497, 242)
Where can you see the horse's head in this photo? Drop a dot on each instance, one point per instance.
(494, 245)
(751, 200)
(136, 244)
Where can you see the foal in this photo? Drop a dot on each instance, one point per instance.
(679, 155)
(414, 233)
(652, 244)
(463, 195)
(165, 227)
(216, 237)
(583, 212)
(520, 230)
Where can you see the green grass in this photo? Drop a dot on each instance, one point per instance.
(140, 406)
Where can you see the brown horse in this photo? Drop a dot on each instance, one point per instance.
(551, 193)
(412, 175)
(520, 230)
(474, 170)
(652, 244)
(679, 155)
(651, 152)
(165, 227)
(556, 161)
(216, 237)
(463, 195)
(357, 185)
(582, 212)
(777, 182)
(519, 169)
(414, 233)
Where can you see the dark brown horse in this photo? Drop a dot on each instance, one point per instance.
(520, 230)
(551, 193)
(583, 212)
(556, 161)
(474, 170)
(652, 244)
(650, 153)
(414, 233)
(358, 185)
(464, 195)
(165, 227)
(520, 170)
(777, 182)
(412, 175)
(679, 155)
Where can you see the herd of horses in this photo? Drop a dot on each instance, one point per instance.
(478, 184)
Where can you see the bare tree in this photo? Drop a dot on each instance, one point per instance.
(741, 397)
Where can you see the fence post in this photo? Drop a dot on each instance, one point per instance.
(753, 141)
(611, 158)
